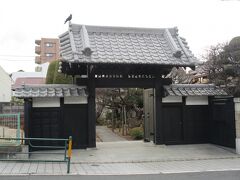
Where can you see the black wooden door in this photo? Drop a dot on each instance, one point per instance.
(173, 127)
(45, 123)
(75, 124)
(223, 122)
(196, 124)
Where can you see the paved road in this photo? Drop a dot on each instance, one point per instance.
(106, 135)
(213, 175)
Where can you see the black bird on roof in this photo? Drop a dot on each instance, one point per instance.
(68, 19)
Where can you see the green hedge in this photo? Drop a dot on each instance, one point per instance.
(136, 133)
(54, 77)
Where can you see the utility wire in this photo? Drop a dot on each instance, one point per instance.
(17, 60)
(4, 55)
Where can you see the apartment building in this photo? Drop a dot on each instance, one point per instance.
(47, 50)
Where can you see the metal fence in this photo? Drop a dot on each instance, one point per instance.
(18, 154)
(10, 128)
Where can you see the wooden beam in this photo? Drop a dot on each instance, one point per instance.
(27, 117)
(159, 121)
(123, 82)
(184, 120)
(91, 109)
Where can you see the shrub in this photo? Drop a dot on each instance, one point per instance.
(136, 133)
(54, 77)
(60, 78)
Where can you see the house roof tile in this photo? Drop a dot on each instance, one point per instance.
(61, 90)
(96, 44)
(194, 90)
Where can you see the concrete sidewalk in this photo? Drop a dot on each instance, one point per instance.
(138, 151)
(134, 157)
(10, 168)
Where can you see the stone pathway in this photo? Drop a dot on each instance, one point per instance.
(106, 135)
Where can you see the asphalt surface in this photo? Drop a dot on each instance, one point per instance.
(213, 175)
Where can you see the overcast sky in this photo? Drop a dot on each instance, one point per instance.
(202, 22)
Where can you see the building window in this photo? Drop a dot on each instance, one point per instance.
(49, 54)
(48, 44)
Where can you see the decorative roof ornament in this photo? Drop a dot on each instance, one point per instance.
(86, 43)
(177, 52)
(176, 30)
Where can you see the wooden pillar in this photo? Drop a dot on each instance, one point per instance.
(210, 122)
(62, 129)
(159, 124)
(27, 117)
(184, 120)
(91, 110)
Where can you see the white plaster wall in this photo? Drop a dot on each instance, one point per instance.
(5, 86)
(46, 102)
(197, 100)
(16, 75)
(76, 100)
(237, 123)
(172, 99)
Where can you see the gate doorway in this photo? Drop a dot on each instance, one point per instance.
(120, 110)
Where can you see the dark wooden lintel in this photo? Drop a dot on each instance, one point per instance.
(112, 69)
(123, 82)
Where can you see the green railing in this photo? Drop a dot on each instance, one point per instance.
(10, 128)
(66, 147)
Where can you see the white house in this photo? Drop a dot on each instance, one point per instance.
(41, 72)
(5, 86)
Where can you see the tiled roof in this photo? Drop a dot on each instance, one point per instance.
(60, 90)
(194, 90)
(122, 45)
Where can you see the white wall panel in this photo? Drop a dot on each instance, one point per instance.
(197, 100)
(76, 100)
(172, 99)
(46, 102)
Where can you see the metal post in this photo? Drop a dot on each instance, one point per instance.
(65, 150)
(69, 153)
(125, 120)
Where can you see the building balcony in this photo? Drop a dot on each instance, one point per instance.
(38, 42)
(37, 50)
(37, 60)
